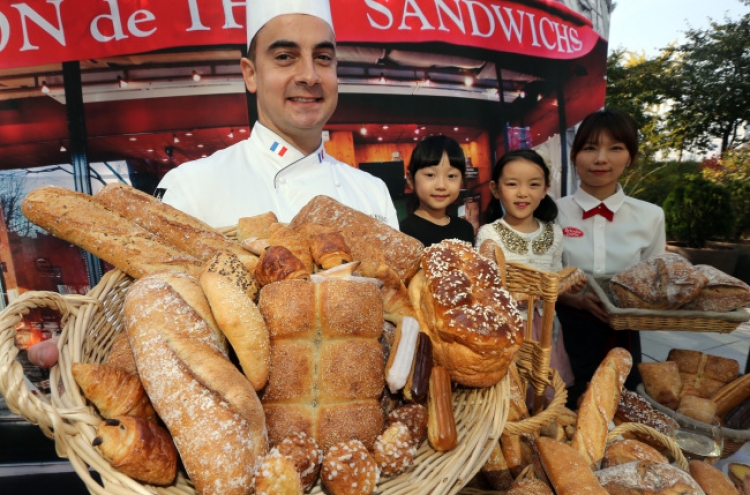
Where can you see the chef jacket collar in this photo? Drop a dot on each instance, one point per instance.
(588, 202)
(282, 155)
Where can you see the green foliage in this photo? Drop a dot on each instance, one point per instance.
(698, 210)
(654, 181)
(732, 170)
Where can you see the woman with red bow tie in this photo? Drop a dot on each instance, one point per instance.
(604, 232)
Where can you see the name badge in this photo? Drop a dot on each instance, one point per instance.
(572, 232)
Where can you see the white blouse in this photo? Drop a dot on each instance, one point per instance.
(533, 249)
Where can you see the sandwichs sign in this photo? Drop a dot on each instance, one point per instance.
(36, 32)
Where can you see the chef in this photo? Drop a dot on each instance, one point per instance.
(291, 67)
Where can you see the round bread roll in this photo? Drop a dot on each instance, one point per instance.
(626, 451)
(414, 416)
(305, 454)
(349, 469)
(712, 480)
(647, 478)
(277, 475)
(394, 450)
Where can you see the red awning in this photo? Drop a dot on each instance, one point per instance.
(52, 31)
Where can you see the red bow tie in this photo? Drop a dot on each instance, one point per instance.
(599, 210)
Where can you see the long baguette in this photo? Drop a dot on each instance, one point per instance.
(567, 470)
(177, 228)
(211, 410)
(83, 221)
(599, 404)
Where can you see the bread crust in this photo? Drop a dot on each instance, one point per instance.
(177, 228)
(196, 390)
(85, 222)
(568, 471)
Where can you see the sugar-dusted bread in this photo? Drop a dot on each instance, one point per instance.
(635, 409)
(327, 365)
(369, 239)
(722, 292)
(473, 322)
(647, 478)
(665, 281)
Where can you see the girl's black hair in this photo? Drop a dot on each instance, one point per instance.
(428, 153)
(547, 209)
(615, 122)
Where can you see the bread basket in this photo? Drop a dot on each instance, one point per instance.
(733, 439)
(90, 324)
(675, 319)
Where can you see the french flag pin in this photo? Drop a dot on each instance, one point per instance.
(280, 152)
(321, 155)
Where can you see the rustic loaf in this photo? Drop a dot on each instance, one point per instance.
(665, 281)
(473, 322)
(327, 365)
(177, 228)
(647, 478)
(369, 239)
(210, 409)
(85, 222)
(705, 365)
(722, 292)
(662, 382)
(711, 479)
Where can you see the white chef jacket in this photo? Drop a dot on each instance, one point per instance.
(604, 248)
(265, 173)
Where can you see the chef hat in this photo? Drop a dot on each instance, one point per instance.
(259, 12)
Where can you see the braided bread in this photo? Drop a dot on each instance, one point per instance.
(473, 322)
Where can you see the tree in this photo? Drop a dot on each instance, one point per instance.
(710, 95)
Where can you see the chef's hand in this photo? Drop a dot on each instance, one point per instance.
(588, 301)
(44, 354)
(578, 286)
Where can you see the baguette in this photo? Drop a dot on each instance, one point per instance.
(230, 289)
(177, 228)
(568, 472)
(195, 389)
(599, 405)
(85, 222)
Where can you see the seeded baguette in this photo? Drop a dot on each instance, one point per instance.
(81, 220)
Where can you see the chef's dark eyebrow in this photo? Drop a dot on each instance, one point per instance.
(323, 45)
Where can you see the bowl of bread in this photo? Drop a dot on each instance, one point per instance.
(667, 292)
(329, 354)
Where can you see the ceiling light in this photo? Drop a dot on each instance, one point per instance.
(231, 134)
(200, 146)
(176, 139)
(44, 88)
(385, 127)
(242, 130)
(423, 128)
(522, 94)
(539, 97)
(455, 128)
(204, 155)
(380, 138)
(149, 150)
(469, 81)
(133, 138)
(122, 82)
(415, 139)
(189, 133)
(363, 131)
(63, 149)
(416, 131)
(467, 140)
(196, 76)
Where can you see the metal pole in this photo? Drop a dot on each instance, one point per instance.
(78, 150)
(563, 140)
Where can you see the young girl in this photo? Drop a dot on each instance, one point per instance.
(604, 231)
(526, 232)
(435, 174)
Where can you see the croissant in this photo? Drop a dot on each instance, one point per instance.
(138, 448)
(396, 302)
(329, 250)
(278, 263)
(113, 391)
(281, 235)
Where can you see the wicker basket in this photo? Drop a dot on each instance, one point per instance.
(90, 324)
(733, 439)
(676, 319)
(657, 439)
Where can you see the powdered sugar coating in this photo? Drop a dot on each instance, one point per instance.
(349, 469)
(394, 450)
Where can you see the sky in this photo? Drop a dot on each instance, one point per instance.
(649, 25)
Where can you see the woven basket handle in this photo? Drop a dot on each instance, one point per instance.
(659, 437)
(21, 397)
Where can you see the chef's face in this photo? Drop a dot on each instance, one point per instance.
(294, 77)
